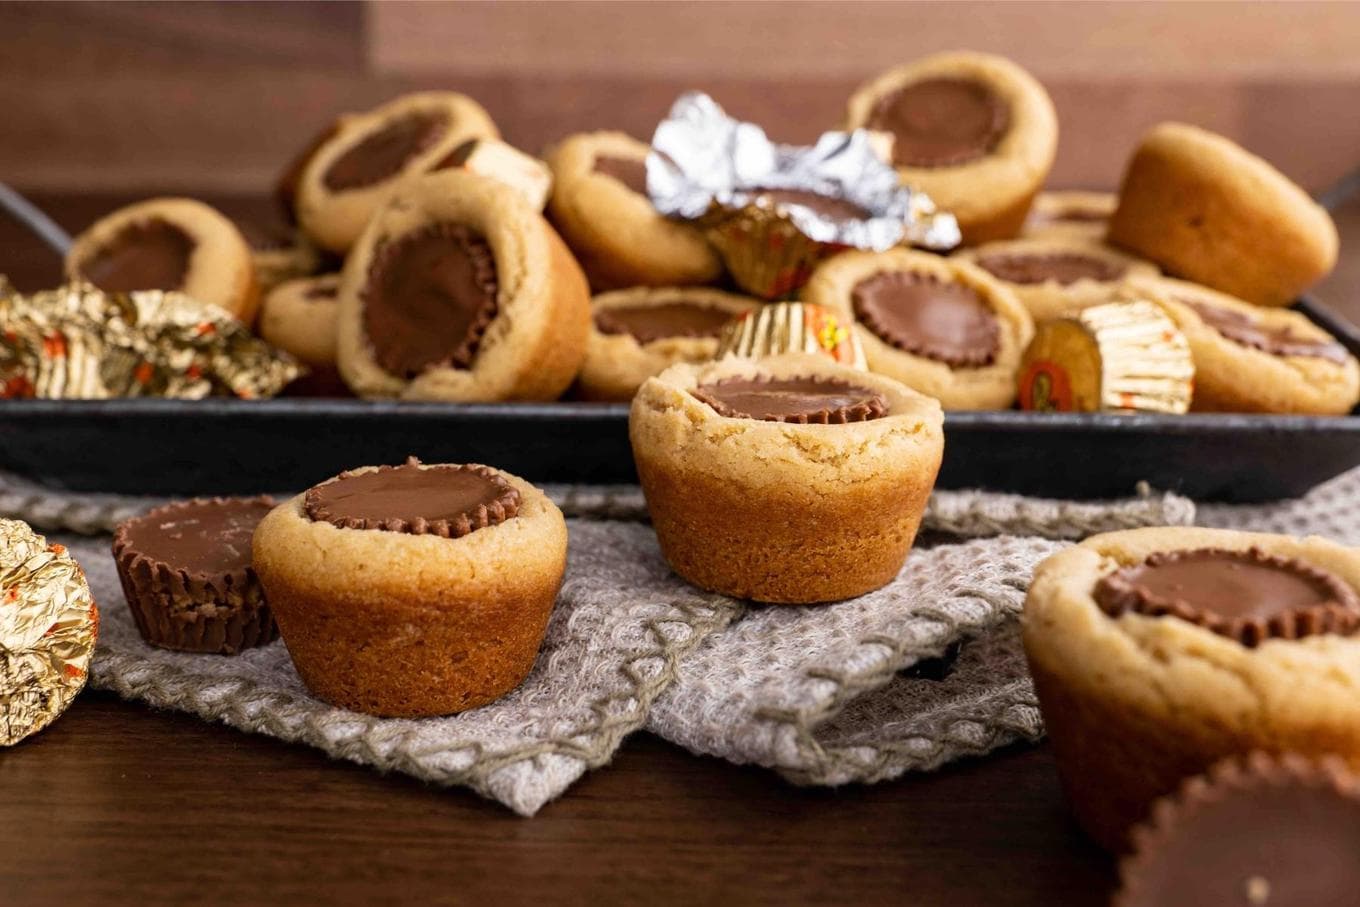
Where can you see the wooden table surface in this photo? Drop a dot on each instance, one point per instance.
(118, 804)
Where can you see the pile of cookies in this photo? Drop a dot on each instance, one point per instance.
(432, 261)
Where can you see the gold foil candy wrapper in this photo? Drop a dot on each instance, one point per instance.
(48, 626)
(792, 327)
(1120, 357)
(505, 163)
(78, 342)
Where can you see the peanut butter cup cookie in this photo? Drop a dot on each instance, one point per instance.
(940, 326)
(169, 244)
(413, 590)
(1157, 652)
(300, 317)
(974, 131)
(638, 333)
(1207, 210)
(357, 167)
(600, 203)
(459, 290)
(789, 480)
(1056, 277)
(1255, 360)
(1070, 214)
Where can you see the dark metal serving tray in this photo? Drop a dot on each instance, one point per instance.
(221, 446)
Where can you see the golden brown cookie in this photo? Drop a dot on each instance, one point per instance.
(1207, 210)
(940, 326)
(353, 171)
(638, 333)
(974, 131)
(300, 317)
(459, 290)
(1070, 214)
(1254, 360)
(1055, 277)
(787, 480)
(599, 202)
(413, 590)
(1157, 652)
(169, 244)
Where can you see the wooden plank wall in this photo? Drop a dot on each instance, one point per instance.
(213, 97)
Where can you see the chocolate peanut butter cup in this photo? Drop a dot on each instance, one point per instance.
(429, 298)
(186, 572)
(1247, 595)
(447, 501)
(806, 400)
(1060, 267)
(384, 152)
(926, 316)
(646, 323)
(1261, 831)
(1251, 332)
(152, 254)
(631, 171)
(941, 122)
(828, 206)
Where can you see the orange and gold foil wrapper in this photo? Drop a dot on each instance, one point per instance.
(78, 342)
(792, 327)
(1125, 357)
(767, 255)
(48, 626)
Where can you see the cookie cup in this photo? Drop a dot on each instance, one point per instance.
(1070, 214)
(534, 346)
(402, 625)
(984, 387)
(1134, 704)
(782, 512)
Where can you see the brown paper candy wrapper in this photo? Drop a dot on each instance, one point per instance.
(78, 342)
(1121, 357)
(48, 625)
(792, 327)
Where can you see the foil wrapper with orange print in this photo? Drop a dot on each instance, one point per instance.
(78, 342)
(48, 626)
(792, 327)
(773, 211)
(1122, 357)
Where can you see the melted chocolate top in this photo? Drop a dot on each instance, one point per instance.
(383, 153)
(148, 255)
(656, 322)
(1278, 341)
(941, 122)
(1062, 267)
(921, 315)
(202, 537)
(448, 501)
(1248, 595)
(429, 298)
(631, 171)
(809, 400)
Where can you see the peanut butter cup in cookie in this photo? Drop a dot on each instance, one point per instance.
(1157, 652)
(600, 203)
(355, 169)
(169, 244)
(940, 326)
(1252, 359)
(413, 590)
(299, 317)
(459, 290)
(638, 333)
(791, 479)
(187, 576)
(974, 131)
(1070, 214)
(1056, 277)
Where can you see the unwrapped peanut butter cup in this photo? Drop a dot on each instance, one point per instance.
(186, 574)
(807, 400)
(1246, 595)
(791, 327)
(646, 323)
(926, 316)
(447, 501)
(1257, 831)
(1251, 332)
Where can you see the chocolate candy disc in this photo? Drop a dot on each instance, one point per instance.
(1062, 267)
(429, 298)
(197, 537)
(941, 122)
(1246, 595)
(1249, 332)
(924, 316)
(151, 255)
(657, 322)
(828, 206)
(448, 501)
(807, 400)
(631, 171)
(382, 154)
